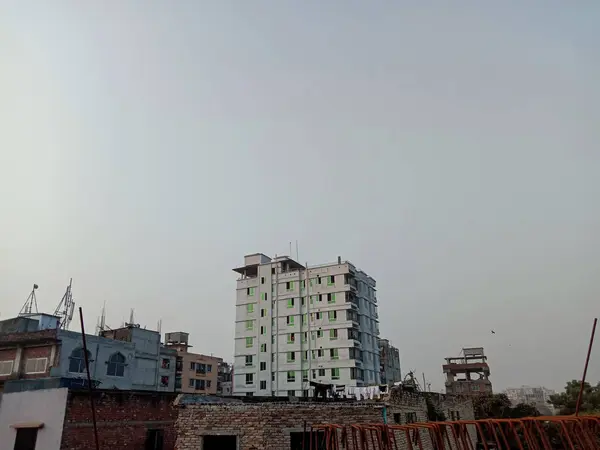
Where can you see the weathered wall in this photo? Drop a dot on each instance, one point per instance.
(45, 406)
(268, 425)
(124, 420)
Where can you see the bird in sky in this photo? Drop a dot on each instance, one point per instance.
(493, 332)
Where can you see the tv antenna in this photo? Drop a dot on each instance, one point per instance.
(30, 303)
(65, 308)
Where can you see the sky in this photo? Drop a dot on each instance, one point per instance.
(450, 151)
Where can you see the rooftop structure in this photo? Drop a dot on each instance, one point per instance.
(389, 358)
(468, 374)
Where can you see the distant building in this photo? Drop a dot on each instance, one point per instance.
(195, 373)
(389, 359)
(537, 396)
(225, 379)
(468, 374)
(296, 325)
(34, 348)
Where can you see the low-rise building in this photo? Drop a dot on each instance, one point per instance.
(537, 396)
(195, 373)
(389, 359)
(468, 374)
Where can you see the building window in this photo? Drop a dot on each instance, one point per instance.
(154, 440)
(319, 333)
(335, 374)
(305, 375)
(291, 376)
(26, 438)
(250, 291)
(291, 393)
(313, 299)
(248, 342)
(209, 368)
(290, 320)
(116, 365)
(331, 298)
(263, 385)
(192, 383)
(272, 376)
(263, 312)
(303, 301)
(249, 378)
(263, 330)
(36, 365)
(201, 368)
(165, 363)
(397, 418)
(289, 285)
(192, 366)
(411, 417)
(164, 381)
(263, 348)
(248, 360)
(319, 315)
(77, 361)
(331, 280)
(305, 337)
(264, 296)
(332, 316)
(321, 372)
(318, 279)
(290, 303)
(333, 353)
(291, 356)
(249, 324)
(263, 365)
(250, 308)
(333, 334)
(6, 367)
(262, 280)
(200, 385)
(291, 338)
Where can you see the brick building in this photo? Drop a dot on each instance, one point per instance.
(213, 423)
(61, 419)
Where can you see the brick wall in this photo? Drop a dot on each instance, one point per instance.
(35, 352)
(268, 425)
(123, 418)
(265, 425)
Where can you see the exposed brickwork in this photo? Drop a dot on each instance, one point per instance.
(24, 338)
(268, 425)
(123, 418)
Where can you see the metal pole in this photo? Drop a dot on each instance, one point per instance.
(90, 387)
(587, 360)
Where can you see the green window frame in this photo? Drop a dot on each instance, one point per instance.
(264, 296)
(333, 334)
(335, 374)
(331, 280)
(251, 291)
(263, 348)
(290, 286)
(249, 324)
(305, 375)
(290, 321)
(320, 333)
(291, 357)
(291, 376)
(290, 302)
(331, 298)
(291, 338)
(263, 330)
(249, 342)
(334, 354)
(313, 299)
(304, 319)
(250, 308)
(305, 337)
(332, 316)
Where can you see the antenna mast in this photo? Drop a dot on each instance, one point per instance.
(65, 308)
(30, 303)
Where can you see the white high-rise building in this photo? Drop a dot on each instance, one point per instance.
(294, 326)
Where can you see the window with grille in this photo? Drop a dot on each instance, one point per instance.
(6, 367)
(36, 365)
(77, 361)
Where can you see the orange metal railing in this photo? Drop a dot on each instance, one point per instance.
(531, 433)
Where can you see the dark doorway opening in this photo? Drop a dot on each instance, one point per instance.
(154, 440)
(220, 442)
(301, 441)
(26, 438)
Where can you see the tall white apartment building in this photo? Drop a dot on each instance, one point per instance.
(294, 325)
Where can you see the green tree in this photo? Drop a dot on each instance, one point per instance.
(566, 401)
(498, 406)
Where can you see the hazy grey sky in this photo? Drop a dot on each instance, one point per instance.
(449, 151)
